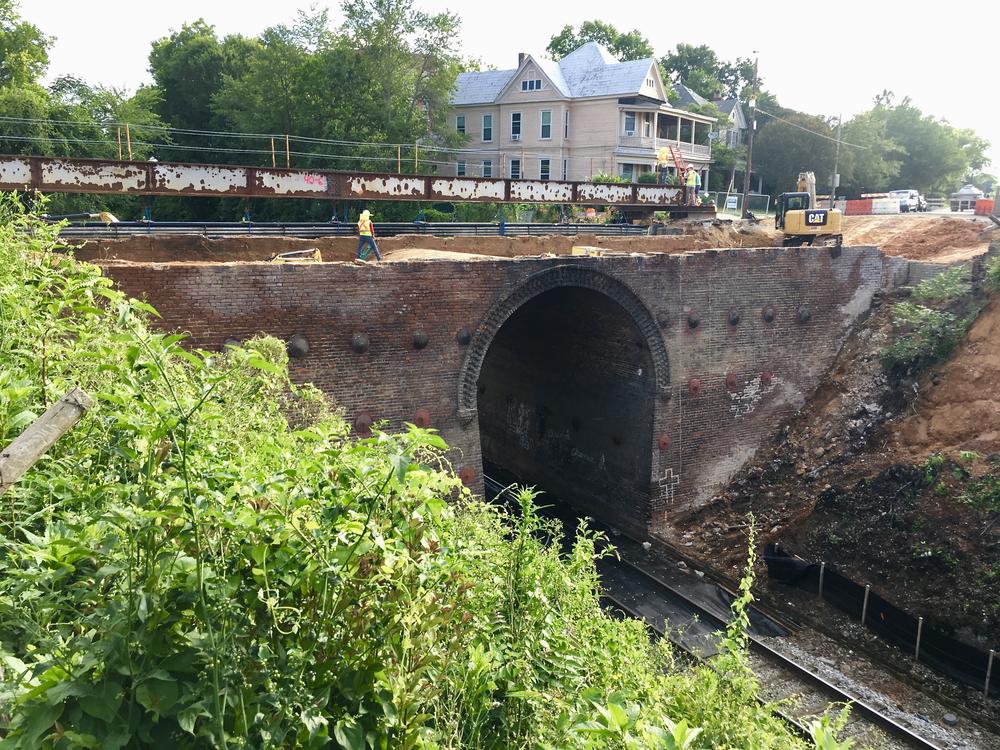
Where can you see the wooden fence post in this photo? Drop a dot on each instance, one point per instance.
(31, 444)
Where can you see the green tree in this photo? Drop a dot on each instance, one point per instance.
(792, 145)
(699, 68)
(876, 167)
(625, 45)
(408, 63)
(24, 49)
(187, 67)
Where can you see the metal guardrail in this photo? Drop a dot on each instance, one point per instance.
(95, 230)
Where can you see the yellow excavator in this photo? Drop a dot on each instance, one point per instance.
(801, 222)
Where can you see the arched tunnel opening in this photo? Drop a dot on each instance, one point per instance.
(565, 399)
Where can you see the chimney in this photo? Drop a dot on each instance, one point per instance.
(520, 58)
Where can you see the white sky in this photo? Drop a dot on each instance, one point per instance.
(821, 58)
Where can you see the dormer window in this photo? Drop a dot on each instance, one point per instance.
(650, 83)
(533, 84)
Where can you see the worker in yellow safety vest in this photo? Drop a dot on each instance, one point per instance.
(366, 237)
(691, 182)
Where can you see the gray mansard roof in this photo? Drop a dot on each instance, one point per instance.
(589, 70)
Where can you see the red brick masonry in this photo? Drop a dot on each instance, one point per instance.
(737, 340)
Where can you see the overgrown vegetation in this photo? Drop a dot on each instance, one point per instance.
(209, 560)
(928, 328)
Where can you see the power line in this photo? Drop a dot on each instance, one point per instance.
(821, 135)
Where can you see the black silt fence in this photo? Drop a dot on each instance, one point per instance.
(952, 657)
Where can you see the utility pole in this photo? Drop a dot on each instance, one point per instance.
(835, 178)
(753, 127)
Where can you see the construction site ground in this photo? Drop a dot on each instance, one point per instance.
(910, 235)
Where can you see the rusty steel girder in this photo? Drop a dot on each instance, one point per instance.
(65, 175)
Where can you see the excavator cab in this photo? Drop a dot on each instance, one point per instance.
(801, 224)
(789, 202)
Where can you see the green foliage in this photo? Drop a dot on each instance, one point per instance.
(983, 493)
(209, 560)
(991, 279)
(947, 286)
(648, 178)
(923, 336)
(631, 45)
(823, 732)
(699, 68)
(24, 49)
(904, 148)
(603, 177)
(783, 149)
(932, 465)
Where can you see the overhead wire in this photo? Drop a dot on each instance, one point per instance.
(814, 132)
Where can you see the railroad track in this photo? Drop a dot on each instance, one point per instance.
(693, 627)
(642, 595)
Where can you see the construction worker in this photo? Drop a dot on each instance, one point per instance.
(691, 183)
(366, 237)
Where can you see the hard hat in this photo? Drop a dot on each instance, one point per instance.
(365, 214)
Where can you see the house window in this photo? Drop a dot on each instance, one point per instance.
(460, 170)
(535, 84)
(627, 171)
(544, 169)
(515, 169)
(630, 123)
(566, 124)
(565, 172)
(460, 124)
(546, 124)
(650, 83)
(487, 128)
(515, 126)
(487, 168)
(647, 124)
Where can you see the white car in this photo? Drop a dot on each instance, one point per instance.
(909, 200)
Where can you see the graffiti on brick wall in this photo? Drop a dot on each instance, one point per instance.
(668, 483)
(746, 400)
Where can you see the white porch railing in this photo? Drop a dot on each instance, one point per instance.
(655, 144)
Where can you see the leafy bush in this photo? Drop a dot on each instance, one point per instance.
(947, 286)
(602, 177)
(991, 280)
(186, 569)
(923, 336)
(647, 178)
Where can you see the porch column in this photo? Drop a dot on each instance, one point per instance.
(694, 126)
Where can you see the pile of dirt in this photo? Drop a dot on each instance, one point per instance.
(940, 238)
(195, 248)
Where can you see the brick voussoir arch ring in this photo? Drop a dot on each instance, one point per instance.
(539, 283)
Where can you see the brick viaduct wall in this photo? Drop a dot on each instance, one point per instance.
(738, 339)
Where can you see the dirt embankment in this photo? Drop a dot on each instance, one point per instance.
(959, 409)
(939, 238)
(194, 248)
(896, 484)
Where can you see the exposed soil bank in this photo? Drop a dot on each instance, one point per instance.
(873, 477)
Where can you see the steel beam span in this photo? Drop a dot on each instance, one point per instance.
(65, 175)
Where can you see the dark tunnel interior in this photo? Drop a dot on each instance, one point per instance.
(565, 400)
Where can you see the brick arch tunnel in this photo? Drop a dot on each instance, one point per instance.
(566, 394)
